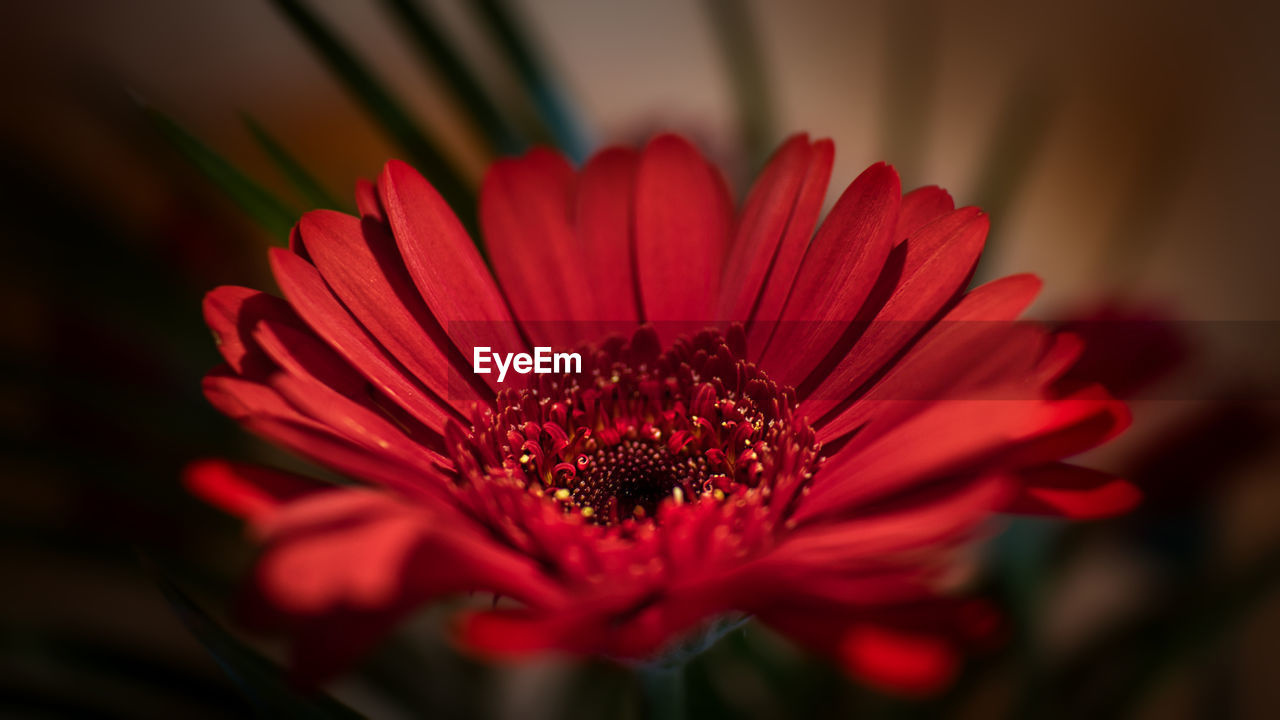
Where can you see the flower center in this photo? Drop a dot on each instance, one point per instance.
(633, 477)
(639, 431)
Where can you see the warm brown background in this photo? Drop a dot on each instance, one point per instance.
(1125, 149)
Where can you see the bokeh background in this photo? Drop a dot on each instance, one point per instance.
(1126, 151)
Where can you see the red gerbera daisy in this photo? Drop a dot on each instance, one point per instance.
(771, 422)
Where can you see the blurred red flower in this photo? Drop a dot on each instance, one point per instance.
(801, 427)
(1127, 347)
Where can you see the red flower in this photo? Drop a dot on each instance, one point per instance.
(795, 462)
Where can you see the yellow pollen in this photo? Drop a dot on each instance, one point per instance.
(587, 511)
(562, 494)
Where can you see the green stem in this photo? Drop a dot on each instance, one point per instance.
(739, 44)
(664, 691)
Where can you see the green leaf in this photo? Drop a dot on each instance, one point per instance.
(302, 180)
(271, 213)
(433, 44)
(385, 109)
(735, 34)
(551, 106)
(261, 680)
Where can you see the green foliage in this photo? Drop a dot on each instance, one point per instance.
(315, 195)
(267, 210)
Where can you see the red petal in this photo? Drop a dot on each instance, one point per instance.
(248, 491)
(231, 312)
(525, 206)
(303, 355)
(959, 437)
(367, 202)
(927, 518)
(947, 438)
(316, 442)
(445, 265)
(1073, 492)
(837, 274)
(1060, 356)
(298, 352)
(1125, 348)
(1000, 300)
(509, 634)
(637, 631)
(296, 245)
(939, 261)
(968, 337)
(359, 262)
(793, 246)
(264, 411)
(921, 207)
(311, 297)
(682, 229)
(897, 661)
(340, 567)
(1082, 420)
(911, 648)
(343, 547)
(606, 206)
(241, 398)
(354, 421)
(769, 215)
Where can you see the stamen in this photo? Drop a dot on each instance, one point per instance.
(640, 430)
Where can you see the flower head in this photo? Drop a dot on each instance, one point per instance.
(804, 427)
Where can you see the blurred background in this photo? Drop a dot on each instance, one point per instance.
(153, 149)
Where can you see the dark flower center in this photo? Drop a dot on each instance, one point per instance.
(633, 477)
(640, 430)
